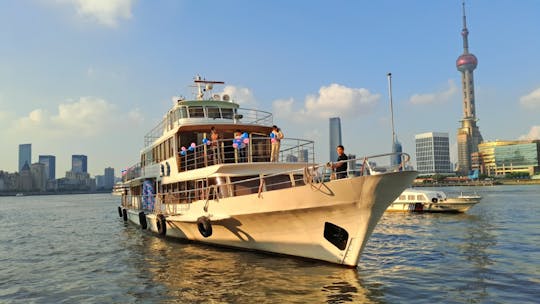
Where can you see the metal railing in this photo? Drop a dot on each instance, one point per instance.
(207, 114)
(176, 202)
(223, 151)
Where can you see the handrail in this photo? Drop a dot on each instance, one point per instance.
(208, 115)
(314, 174)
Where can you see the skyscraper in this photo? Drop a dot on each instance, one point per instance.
(79, 164)
(50, 166)
(468, 135)
(395, 159)
(432, 153)
(109, 178)
(25, 155)
(335, 136)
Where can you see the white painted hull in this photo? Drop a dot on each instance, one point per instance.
(292, 221)
(449, 205)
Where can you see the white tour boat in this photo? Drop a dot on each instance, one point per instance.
(227, 192)
(416, 200)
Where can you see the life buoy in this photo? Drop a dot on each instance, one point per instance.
(124, 214)
(434, 200)
(161, 224)
(142, 220)
(204, 226)
(120, 211)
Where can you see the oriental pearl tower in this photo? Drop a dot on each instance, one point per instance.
(468, 135)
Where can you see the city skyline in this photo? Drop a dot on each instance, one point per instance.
(94, 78)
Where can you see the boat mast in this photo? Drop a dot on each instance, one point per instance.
(389, 75)
(208, 86)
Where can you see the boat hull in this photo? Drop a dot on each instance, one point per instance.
(450, 205)
(297, 221)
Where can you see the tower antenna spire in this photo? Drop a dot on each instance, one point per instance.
(465, 31)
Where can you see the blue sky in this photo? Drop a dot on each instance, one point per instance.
(93, 76)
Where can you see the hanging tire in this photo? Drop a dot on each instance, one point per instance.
(124, 214)
(204, 226)
(120, 211)
(161, 224)
(142, 220)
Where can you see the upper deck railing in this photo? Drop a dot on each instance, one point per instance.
(232, 150)
(206, 114)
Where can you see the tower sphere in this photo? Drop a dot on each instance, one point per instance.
(466, 62)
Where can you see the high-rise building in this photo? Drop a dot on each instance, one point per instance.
(433, 153)
(50, 166)
(109, 178)
(39, 181)
(468, 135)
(25, 155)
(335, 136)
(79, 164)
(303, 156)
(395, 160)
(499, 157)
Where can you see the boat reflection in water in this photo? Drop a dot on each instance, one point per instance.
(195, 273)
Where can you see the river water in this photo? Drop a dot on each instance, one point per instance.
(76, 249)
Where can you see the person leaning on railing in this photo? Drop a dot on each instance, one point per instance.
(341, 165)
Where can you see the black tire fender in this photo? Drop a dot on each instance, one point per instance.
(205, 226)
(161, 224)
(142, 220)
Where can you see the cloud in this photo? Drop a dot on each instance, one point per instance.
(532, 100)
(333, 100)
(242, 96)
(87, 117)
(104, 12)
(534, 133)
(337, 100)
(437, 97)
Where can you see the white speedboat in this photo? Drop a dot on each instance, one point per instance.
(416, 200)
(227, 192)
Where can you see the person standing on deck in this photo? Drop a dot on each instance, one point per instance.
(214, 144)
(275, 138)
(341, 165)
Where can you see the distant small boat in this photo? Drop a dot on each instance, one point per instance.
(416, 200)
(19, 194)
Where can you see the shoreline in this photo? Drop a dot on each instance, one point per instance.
(507, 182)
(35, 193)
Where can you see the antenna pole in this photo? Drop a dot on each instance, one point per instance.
(389, 75)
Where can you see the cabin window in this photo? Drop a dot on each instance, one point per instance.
(260, 147)
(227, 113)
(420, 197)
(213, 112)
(167, 149)
(410, 197)
(244, 185)
(196, 112)
(181, 113)
(402, 197)
(277, 182)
